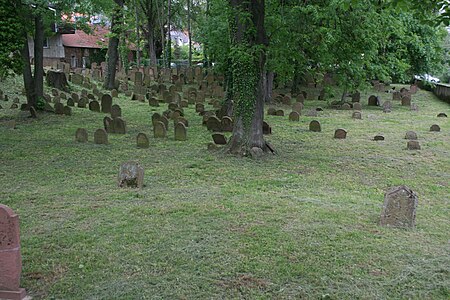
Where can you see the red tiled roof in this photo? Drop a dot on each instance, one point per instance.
(97, 39)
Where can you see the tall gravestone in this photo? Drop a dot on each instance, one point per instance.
(106, 103)
(399, 208)
(180, 132)
(10, 258)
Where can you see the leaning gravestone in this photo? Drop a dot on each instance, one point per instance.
(180, 132)
(142, 141)
(411, 135)
(298, 106)
(10, 258)
(413, 145)
(81, 135)
(340, 133)
(314, 125)
(213, 124)
(101, 136)
(106, 103)
(294, 116)
(131, 174)
(435, 128)
(108, 124)
(399, 208)
(227, 124)
(219, 139)
(94, 106)
(116, 111)
(159, 130)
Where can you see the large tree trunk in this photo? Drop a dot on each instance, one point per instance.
(268, 80)
(249, 43)
(189, 32)
(138, 36)
(39, 56)
(296, 81)
(169, 40)
(27, 75)
(113, 53)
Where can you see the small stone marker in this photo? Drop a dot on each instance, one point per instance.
(180, 132)
(406, 100)
(378, 138)
(142, 141)
(14, 106)
(108, 124)
(116, 111)
(131, 174)
(94, 106)
(411, 135)
(81, 135)
(298, 106)
(70, 102)
(311, 113)
(266, 128)
(219, 139)
(435, 128)
(119, 126)
(442, 115)
(59, 108)
(346, 106)
(373, 101)
(413, 145)
(357, 115)
(356, 97)
(82, 102)
(199, 107)
(10, 258)
(101, 136)
(159, 130)
(256, 153)
(114, 93)
(294, 116)
(387, 106)
(271, 111)
(227, 124)
(106, 103)
(357, 106)
(399, 208)
(314, 125)
(340, 133)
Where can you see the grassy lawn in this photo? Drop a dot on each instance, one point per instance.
(300, 224)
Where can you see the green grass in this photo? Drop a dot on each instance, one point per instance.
(300, 224)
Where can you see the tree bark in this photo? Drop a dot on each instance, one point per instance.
(249, 39)
(268, 86)
(169, 41)
(189, 32)
(113, 53)
(39, 56)
(27, 75)
(296, 80)
(138, 36)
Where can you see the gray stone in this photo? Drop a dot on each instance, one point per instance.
(213, 124)
(67, 110)
(116, 111)
(81, 135)
(101, 136)
(442, 115)
(219, 138)
(256, 153)
(294, 116)
(180, 132)
(435, 127)
(106, 103)
(119, 126)
(413, 145)
(131, 174)
(142, 141)
(159, 130)
(373, 101)
(399, 208)
(94, 106)
(298, 106)
(357, 115)
(406, 100)
(59, 108)
(411, 135)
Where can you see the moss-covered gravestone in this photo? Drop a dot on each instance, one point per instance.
(131, 174)
(399, 208)
(340, 133)
(101, 136)
(142, 141)
(180, 132)
(106, 103)
(81, 135)
(159, 130)
(315, 126)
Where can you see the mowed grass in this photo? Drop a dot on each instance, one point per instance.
(302, 224)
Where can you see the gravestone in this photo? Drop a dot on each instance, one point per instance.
(106, 103)
(81, 135)
(387, 106)
(219, 139)
(70, 102)
(101, 136)
(311, 113)
(180, 132)
(435, 127)
(67, 110)
(294, 116)
(413, 145)
(213, 124)
(165, 121)
(152, 101)
(156, 117)
(266, 128)
(271, 111)
(413, 89)
(314, 125)
(114, 93)
(411, 135)
(300, 98)
(142, 141)
(340, 133)
(75, 97)
(94, 106)
(346, 106)
(414, 107)
(397, 96)
(357, 106)
(378, 138)
(14, 106)
(199, 107)
(181, 120)
(356, 97)
(116, 111)
(399, 208)
(159, 130)
(59, 108)
(82, 102)
(227, 124)
(442, 115)
(10, 258)
(108, 124)
(373, 101)
(279, 113)
(406, 100)
(119, 126)
(298, 106)
(131, 174)
(357, 115)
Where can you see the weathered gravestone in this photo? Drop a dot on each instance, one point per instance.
(294, 116)
(373, 101)
(219, 139)
(180, 132)
(399, 208)
(114, 93)
(346, 106)
(199, 107)
(298, 106)
(10, 258)
(387, 106)
(271, 111)
(227, 124)
(116, 111)
(279, 113)
(101, 136)
(214, 124)
(59, 108)
(67, 110)
(106, 103)
(108, 124)
(357, 106)
(81, 135)
(311, 113)
(397, 96)
(14, 106)
(266, 128)
(131, 174)
(159, 130)
(142, 141)
(413, 145)
(378, 138)
(152, 101)
(406, 100)
(119, 126)
(314, 125)
(94, 106)
(340, 133)
(70, 102)
(442, 115)
(411, 135)
(356, 97)
(155, 118)
(414, 107)
(357, 115)
(435, 127)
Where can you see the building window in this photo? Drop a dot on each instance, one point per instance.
(45, 42)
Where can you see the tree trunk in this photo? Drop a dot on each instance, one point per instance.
(296, 81)
(269, 86)
(113, 53)
(27, 75)
(39, 57)
(151, 43)
(189, 32)
(249, 41)
(138, 36)
(169, 41)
